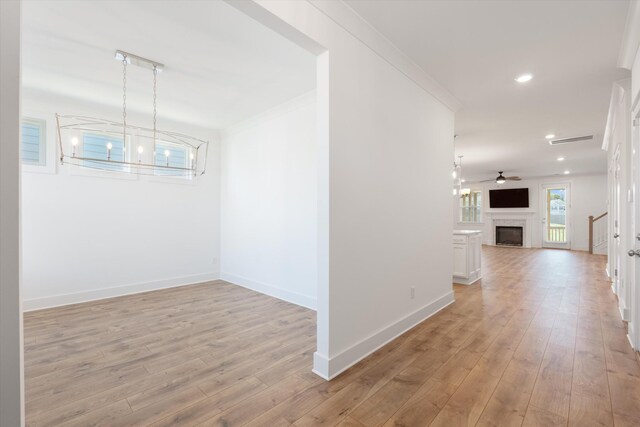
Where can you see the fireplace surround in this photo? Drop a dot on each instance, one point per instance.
(510, 218)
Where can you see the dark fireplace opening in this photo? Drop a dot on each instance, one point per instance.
(508, 236)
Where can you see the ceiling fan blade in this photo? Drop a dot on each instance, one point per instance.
(513, 178)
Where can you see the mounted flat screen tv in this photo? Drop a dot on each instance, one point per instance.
(509, 198)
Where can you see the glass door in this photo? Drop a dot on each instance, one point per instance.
(555, 218)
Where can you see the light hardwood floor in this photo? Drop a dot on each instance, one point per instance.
(538, 342)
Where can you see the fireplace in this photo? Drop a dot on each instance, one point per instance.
(509, 236)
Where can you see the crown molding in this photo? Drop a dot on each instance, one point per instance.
(617, 93)
(631, 39)
(351, 21)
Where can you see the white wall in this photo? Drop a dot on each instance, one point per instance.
(87, 237)
(385, 144)
(269, 202)
(11, 348)
(588, 197)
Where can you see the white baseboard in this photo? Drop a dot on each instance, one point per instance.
(329, 368)
(624, 313)
(630, 336)
(98, 294)
(274, 291)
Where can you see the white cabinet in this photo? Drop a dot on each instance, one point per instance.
(467, 245)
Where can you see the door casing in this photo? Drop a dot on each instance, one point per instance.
(543, 204)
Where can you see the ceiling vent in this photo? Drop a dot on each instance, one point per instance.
(568, 140)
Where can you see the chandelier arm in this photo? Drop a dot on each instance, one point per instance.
(84, 120)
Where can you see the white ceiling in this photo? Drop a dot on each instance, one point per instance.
(221, 65)
(476, 49)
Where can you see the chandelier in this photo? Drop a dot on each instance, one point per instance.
(456, 173)
(103, 144)
(457, 176)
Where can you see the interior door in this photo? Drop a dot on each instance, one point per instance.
(555, 217)
(615, 207)
(634, 277)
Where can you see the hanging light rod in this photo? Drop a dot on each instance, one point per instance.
(138, 60)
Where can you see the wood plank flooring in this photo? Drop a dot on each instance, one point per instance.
(538, 343)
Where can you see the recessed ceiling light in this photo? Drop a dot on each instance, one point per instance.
(561, 159)
(567, 172)
(550, 136)
(463, 180)
(524, 78)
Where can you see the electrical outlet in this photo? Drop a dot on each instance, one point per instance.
(413, 292)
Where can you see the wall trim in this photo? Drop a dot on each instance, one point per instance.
(271, 290)
(329, 368)
(624, 314)
(104, 293)
(617, 93)
(344, 17)
(362, 30)
(631, 39)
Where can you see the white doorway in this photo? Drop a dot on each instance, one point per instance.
(614, 265)
(555, 216)
(634, 252)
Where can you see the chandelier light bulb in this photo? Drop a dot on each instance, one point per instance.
(167, 153)
(109, 146)
(74, 144)
(454, 174)
(140, 149)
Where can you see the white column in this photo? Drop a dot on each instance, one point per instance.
(11, 366)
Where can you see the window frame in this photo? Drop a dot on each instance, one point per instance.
(48, 141)
(81, 170)
(125, 158)
(161, 176)
(477, 207)
(42, 141)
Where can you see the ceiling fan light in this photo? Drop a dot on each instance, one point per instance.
(500, 179)
(523, 78)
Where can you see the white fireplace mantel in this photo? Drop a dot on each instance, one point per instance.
(520, 218)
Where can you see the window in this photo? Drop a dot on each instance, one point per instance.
(173, 155)
(33, 149)
(471, 206)
(96, 146)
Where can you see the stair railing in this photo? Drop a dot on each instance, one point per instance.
(601, 231)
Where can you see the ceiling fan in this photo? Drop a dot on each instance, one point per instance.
(501, 179)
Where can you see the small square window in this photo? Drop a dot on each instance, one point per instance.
(171, 155)
(33, 145)
(103, 147)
